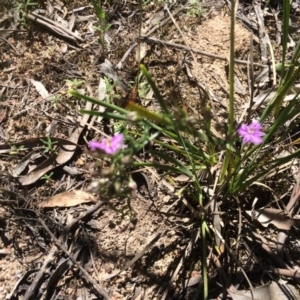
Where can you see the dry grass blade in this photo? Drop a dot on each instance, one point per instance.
(101, 291)
(160, 25)
(273, 216)
(58, 29)
(262, 33)
(35, 103)
(30, 293)
(152, 240)
(187, 253)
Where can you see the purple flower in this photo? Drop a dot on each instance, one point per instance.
(251, 133)
(109, 145)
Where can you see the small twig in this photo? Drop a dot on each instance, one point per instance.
(240, 225)
(12, 46)
(123, 59)
(269, 251)
(89, 212)
(182, 35)
(6, 87)
(295, 196)
(153, 240)
(18, 30)
(30, 293)
(187, 254)
(54, 27)
(250, 73)
(235, 257)
(93, 261)
(182, 47)
(101, 291)
(261, 32)
(287, 273)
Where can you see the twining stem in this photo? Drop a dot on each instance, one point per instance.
(225, 167)
(234, 4)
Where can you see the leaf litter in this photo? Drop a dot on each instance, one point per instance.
(118, 248)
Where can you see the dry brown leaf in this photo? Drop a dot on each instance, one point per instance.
(65, 153)
(273, 216)
(21, 166)
(261, 292)
(283, 291)
(182, 178)
(271, 291)
(68, 199)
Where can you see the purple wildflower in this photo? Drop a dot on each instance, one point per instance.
(251, 133)
(109, 145)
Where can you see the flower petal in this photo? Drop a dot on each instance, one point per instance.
(256, 140)
(93, 145)
(117, 139)
(246, 139)
(255, 125)
(260, 133)
(251, 133)
(243, 130)
(108, 145)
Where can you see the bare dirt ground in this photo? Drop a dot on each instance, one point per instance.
(152, 251)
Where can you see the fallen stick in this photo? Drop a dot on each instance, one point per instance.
(58, 29)
(182, 47)
(30, 293)
(100, 290)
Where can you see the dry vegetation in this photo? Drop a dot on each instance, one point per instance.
(48, 217)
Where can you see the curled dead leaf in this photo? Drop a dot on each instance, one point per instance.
(68, 199)
(65, 153)
(273, 216)
(182, 178)
(272, 291)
